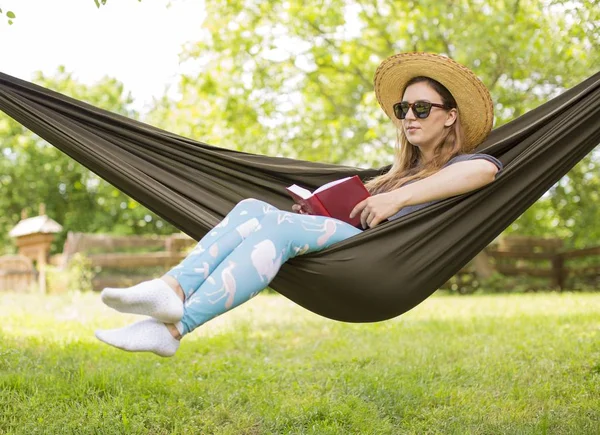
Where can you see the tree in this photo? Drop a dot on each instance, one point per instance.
(32, 171)
(294, 78)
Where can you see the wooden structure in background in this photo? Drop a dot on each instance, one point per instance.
(111, 255)
(34, 236)
(102, 251)
(531, 256)
(510, 256)
(537, 257)
(16, 273)
(90, 244)
(542, 257)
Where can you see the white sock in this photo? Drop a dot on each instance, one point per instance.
(153, 298)
(146, 336)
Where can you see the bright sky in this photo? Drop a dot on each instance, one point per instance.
(138, 43)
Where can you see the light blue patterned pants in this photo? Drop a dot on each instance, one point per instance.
(244, 252)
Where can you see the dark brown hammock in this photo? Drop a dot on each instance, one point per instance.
(374, 276)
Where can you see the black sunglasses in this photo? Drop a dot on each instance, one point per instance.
(421, 109)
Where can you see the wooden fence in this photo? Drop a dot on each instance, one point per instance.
(511, 256)
(160, 260)
(544, 258)
(533, 257)
(16, 273)
(106, 261)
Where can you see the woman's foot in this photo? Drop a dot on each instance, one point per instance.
(146, 336)
(153, 298)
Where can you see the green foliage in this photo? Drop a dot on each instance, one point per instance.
(469, 283)
(76, 277)
(103, 2)
(10, 15)
(32, 171)
(80, 273)
(498, 283)
(294, 78)
(494, 364)
(570, 210)
(304, 70)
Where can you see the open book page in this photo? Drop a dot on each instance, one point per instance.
(331, 184)
(335, 199)
(300, 191)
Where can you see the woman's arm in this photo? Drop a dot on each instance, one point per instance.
(456, 179)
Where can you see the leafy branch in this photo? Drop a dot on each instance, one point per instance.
(10, 15)
(103, 2)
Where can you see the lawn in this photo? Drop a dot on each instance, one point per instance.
(483, 364)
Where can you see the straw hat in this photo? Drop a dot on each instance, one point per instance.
(471, 95)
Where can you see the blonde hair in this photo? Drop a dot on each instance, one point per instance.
(407, 165)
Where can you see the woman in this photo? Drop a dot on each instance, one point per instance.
(437, 130)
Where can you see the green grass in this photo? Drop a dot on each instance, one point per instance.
(500, 364)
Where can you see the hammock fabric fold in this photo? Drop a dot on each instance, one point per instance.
(373, 276)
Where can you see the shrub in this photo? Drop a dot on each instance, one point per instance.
(76, 276)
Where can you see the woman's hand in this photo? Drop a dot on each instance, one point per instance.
(377, 208)
(297, 208)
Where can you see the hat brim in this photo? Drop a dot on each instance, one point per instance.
(474, 102)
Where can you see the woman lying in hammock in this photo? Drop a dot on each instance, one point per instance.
(437, 130)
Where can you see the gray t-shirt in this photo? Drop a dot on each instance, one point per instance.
(461, 158)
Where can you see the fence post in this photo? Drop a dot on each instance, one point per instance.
(483, 268)
(558, 271)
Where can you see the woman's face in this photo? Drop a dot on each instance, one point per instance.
(426, 133)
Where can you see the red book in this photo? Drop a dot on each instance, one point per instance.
(335, 199)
